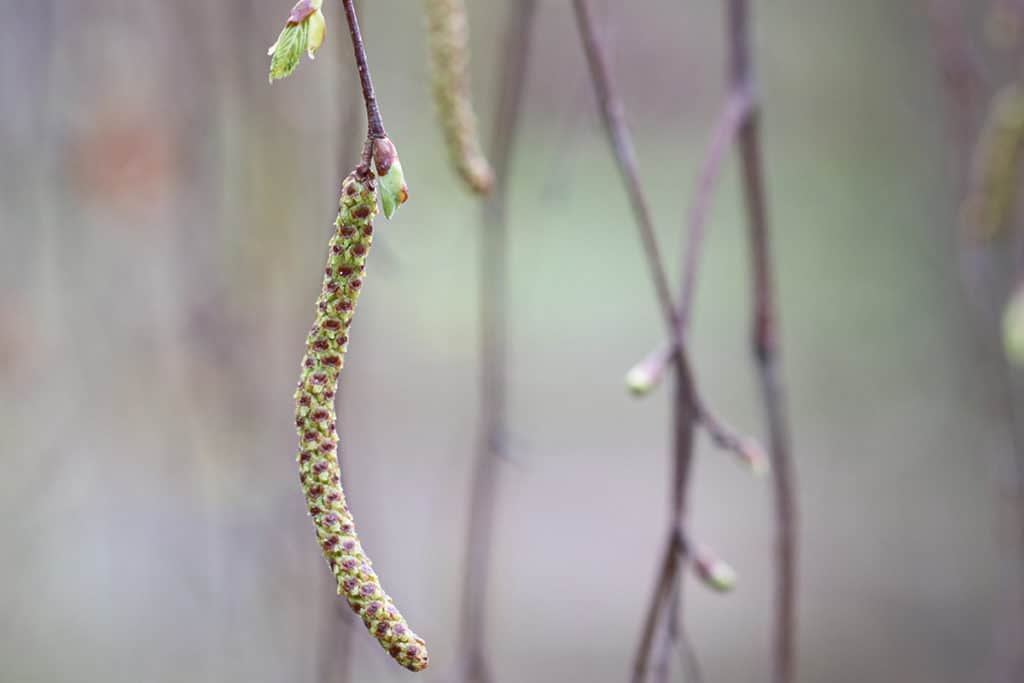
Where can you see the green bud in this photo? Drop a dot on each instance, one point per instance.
(639, 380)
(391, 180)
(755, 457)
(714, 573)
(645, 376)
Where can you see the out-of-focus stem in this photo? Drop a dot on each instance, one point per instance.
(765, 346)
(685, 403)
(493, 350)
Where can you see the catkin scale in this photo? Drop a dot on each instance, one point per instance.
(315, 420)
(449, 50)
(987, 209)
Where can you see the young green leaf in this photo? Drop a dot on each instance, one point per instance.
(303, 32)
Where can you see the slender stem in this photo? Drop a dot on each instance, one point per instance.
(737, 107)
(765, 345)
(375, 125)
(685, 404)
(622, 144)
(493, 350)
(659, 601)
(661, 669)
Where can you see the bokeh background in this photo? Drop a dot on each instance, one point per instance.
(163, 221)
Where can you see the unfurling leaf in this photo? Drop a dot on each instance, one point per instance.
(303, 32)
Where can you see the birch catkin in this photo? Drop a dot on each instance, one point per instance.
(987, 210)
(318, 438)
(449, 48)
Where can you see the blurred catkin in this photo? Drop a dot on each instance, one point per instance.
(448, 34)
(990, 202)
(316, 422)
(1004, 24)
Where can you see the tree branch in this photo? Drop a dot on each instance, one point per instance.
(735, 112)
(685, 404)
(493, 352)
(765, 345)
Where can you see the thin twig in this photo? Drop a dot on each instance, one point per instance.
(493, 350)
(375, 125)
(622, 145)
(765, 345)
(661, 669)
(685, 404)
(734, 113)
(678, 637)
(661, 598)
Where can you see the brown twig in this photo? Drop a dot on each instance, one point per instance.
(685, 404)
(661, 598)
(765, 346)
(622, 145)
(652, 368)
(493, 351)
(375, 125)
(734, 113)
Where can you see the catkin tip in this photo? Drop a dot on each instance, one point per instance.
(449, 49)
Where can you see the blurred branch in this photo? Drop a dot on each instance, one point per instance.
(737, 109)
(493, 351)
(765, 345)
(649, 372)
(685, 404)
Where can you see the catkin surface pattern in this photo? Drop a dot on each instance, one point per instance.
(448, 33)
(316, 421)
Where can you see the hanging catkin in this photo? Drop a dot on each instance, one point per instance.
(448, 34)
(987, 210)
(316, 420)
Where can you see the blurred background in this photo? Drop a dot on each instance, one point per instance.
(164, 215)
